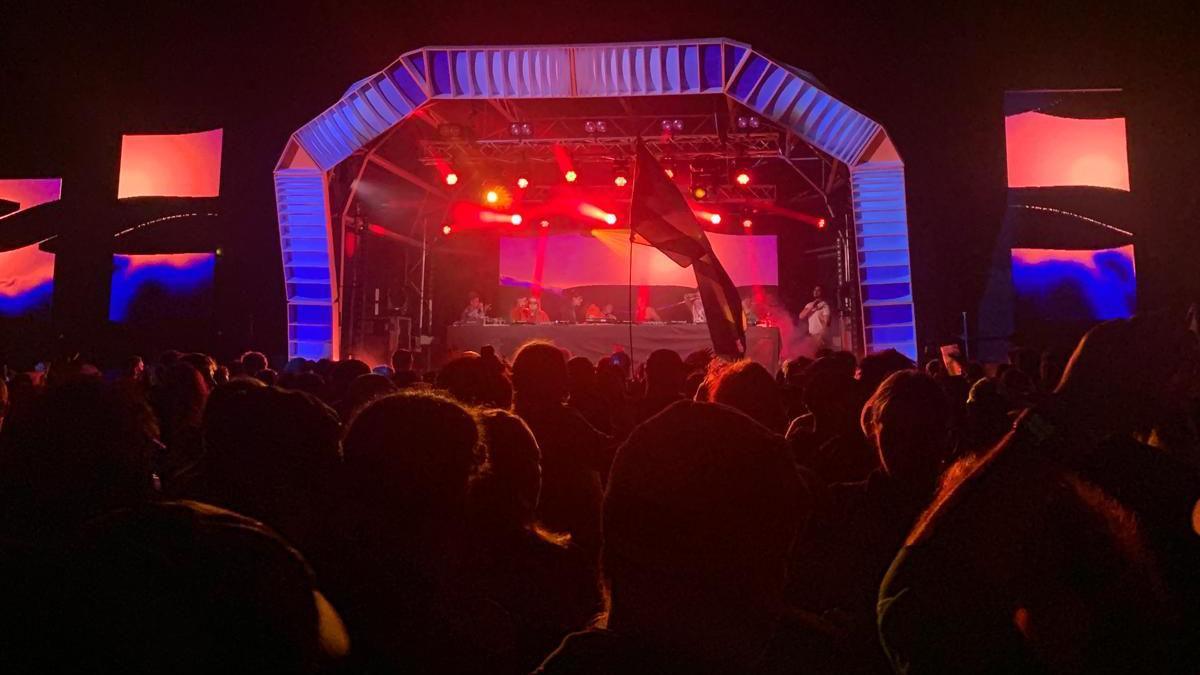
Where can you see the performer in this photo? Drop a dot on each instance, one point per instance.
(475, 311)
(575, 312)
(645, 312)
(536, 313)
(817, 313)
(520, 313)
(693, 301)
(749, 313)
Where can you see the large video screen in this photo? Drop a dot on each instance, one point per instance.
(1046, 150)
(170, 165)
(1074, 285)
(162, 287)
(601, 258)
(30, 192)
(26, 281)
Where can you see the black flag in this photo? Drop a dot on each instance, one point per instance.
(661, 216)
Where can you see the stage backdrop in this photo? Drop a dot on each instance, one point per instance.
(173, 286)
(601, 258)
(171, 165)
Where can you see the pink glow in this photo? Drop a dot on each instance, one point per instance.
(1045, 151)
(175, 165)
(30, 192)
(570, 260)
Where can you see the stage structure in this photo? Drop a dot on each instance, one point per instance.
(436, 115)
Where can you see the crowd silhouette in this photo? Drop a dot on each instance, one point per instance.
(551, 514)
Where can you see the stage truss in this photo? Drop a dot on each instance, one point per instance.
(808, 129)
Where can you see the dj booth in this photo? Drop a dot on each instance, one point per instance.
(597, 340)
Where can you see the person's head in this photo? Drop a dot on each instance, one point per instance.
(829, 393)
(473, 300)
(581, 373)
(608, 308)
(908, 421)
(701, 509)
(875, 368)
(268, 376)
(402, 360)
(534, 304)
(410, 456)
(342, 374)
(80, 449)
(793, 370)
(268, 453)
(252, 362)
(523, 301)
(179, 398)
(465, 379)
(749, 387)
(665, 372)
(539, 374)
(576, 300)
(364, 389)
(205, 365)
(622, 361)
(818, 292)
(505, 496)
(134, 368)
(935, 368)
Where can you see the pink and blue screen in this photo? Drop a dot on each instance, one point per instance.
(27, 273)
(1075, 286)
(172, 286)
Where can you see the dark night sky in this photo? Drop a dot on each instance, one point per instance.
(74, 76)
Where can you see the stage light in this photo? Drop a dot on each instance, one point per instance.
(446, 229)
(589, 126)
(522, 182)
(747, 223)
(670, 173)
(620, 173)
(742, 177)
(821, 223)
(715, 219)
(610, 218)
(570, 175)
(520, 129)
(491, 197)
(544, 224)
(451, 178)
(699, 191)
(677, 125)
(746, 122)
(516, 219)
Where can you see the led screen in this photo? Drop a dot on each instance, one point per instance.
(26, 281)
(1074, 286)
(601, 258)
(1050, 151)
(175, 165)
(30, 192)
(162, 287)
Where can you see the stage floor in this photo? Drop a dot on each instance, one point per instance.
(595, 341)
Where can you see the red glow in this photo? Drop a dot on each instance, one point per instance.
(570, 175)
(522, 182)
(620, 181)
(545, 224)
(174, 165)
(451, 178)
(446, 229)
(742, 178)
(1044, 150)
(747, 223)
(516, 219)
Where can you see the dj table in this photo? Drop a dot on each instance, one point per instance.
(597, 340)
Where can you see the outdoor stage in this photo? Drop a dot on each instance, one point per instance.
(599, 340)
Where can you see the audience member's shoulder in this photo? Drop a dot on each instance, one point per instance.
(597, 651)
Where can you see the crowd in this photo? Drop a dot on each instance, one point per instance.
(555, 515)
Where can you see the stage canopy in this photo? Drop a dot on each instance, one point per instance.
(540, 109)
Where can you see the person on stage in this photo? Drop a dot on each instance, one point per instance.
(693, 301)
(475, 311)
(645, 312)
(536, 313)
(575, 312)
(520, 313)
(817, 313)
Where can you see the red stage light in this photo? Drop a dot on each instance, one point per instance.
(699, 192)
(670, 173)
(491, 197)
(620, 181)
(610, 218)
(715, 219)
(821, 223)
(522, 182)
(742, 178)
(570, 175)
(747, 223)
(516, 219)
(446, 229)
(451, 178)
(545, 223)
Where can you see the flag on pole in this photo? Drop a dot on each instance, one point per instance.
(661, 216)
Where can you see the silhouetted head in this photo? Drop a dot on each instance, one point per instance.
(465, 378)
(665, 372)
(581, 373)
(539, 374)
(748, 386)
(702, 506)
(504, 497)
(875, 368)
(342, 374)
(364, 389)
(252, 362)
(830, 392)
(402, 360)
(908, 421)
